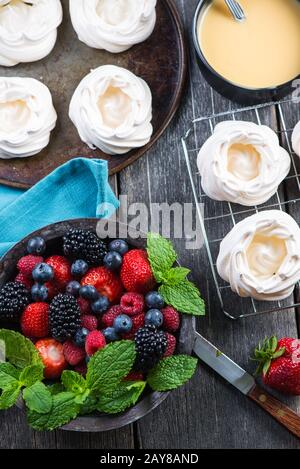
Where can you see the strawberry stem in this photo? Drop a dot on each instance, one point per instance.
(265, 352)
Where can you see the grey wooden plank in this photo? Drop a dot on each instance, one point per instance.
(206, 413)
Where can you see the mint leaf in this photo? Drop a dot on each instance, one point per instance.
(185, 297)
(10, 396)
(88, 406)
(172, 372)
(55, 388)
(38, 398)
(8, 375)
(109, 365)
(31, 374)
(64, 408)
(161, 255)
(124, 396)
(175, 276)
(73, 382)
(19, 351)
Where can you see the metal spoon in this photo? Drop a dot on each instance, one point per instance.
(236, 10)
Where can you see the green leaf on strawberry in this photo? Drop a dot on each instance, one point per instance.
(124, 396)
(172, 372)
(8, 375)
(10, 395)
(185, 297)
(161, 255)
(38, 398)
(19, 351)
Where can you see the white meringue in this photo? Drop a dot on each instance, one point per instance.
(242, 162)
(112, 110)
(296, 139)
(28, 30)
(27, 117)
(260, 257)
(113, 25)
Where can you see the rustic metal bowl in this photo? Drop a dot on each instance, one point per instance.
(150, 400)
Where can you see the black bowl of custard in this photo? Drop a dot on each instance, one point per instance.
(254, 60)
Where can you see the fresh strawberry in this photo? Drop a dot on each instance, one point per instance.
(134, 376)
(81, 368)
(136, 273)
(94, 342)
(52, 355)
(90, 322)
(109, 317)
(62, 270)
(171, 321)
(35, 320)
(52, 290)
(279, 363)
(138, 321)
(171, 345)
(132, 303)
(84, 305)
(27, 263)
(26, 281)
(106, 282)
(73, 354)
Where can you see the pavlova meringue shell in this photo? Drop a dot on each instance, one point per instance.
(112, 110)
(28, 30)
(296, 139)
(27, 117)
(242, 162)
(260, 257)
(113, 25)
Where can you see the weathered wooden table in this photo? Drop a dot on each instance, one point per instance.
(206, 413)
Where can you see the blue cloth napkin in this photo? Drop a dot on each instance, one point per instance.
(77, 189)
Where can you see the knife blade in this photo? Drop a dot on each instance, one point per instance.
(245, 383)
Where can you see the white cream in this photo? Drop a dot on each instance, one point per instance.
(242, 162)
(112, 110)
(28, 30)
(296, 139)
(260, 257)
(27, 117)
(113, 25)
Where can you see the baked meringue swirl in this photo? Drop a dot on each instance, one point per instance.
(112, 110)
(113, 25)
(260, 257)
(28, 29)
(27, 117)
(296, 139)
(242, 162)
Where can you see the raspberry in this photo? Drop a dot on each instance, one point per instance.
(132, 303)
(94, 342)
(84, 305)
(137, 322)
(134, 376)
(73, 354)
(90, 322)
(171, 319)
(171, 345)
(27, 263)
(52, 290)
(26, 281)
(35, 320)
(109, 317)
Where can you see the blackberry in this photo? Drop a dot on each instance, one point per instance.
(64, 317)
(150, 345)
(14, 297)
(85, 245)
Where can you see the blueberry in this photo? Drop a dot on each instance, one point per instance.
(79, 268)
(110, 334)
(154, 300)
(42, 273)
(101, 305)
(39, 292)
(36, 245)
(112, 260)
(122, 324)
(154, 318)
(119, 245)
(73, 288)
(88, 292)
(80, 337)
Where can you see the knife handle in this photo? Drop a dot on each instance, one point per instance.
(283, 414)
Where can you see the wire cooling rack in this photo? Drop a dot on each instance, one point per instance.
(218, 218)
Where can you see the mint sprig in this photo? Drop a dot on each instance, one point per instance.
(172, 372)
(175, 288)
(124, 396)
(38, 398)
(19, 351)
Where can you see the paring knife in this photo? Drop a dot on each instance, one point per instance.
(245, 383)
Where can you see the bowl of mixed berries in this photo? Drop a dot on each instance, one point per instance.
(93, 337)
